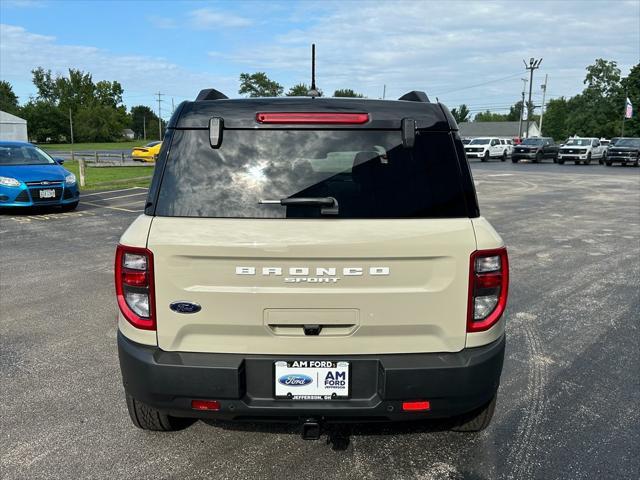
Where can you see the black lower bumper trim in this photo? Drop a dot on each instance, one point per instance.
(453, 383)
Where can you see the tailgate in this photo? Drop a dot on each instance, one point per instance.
(371, 286)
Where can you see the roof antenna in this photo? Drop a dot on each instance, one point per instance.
(313, 91)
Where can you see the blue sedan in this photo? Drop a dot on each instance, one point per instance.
(29, 177)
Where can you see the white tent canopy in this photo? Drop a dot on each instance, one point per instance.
(12, 128)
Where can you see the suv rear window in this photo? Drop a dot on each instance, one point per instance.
(368, 172)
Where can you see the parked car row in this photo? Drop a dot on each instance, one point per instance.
(576, 149)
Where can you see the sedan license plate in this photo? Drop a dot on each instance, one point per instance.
(47, 193)
(312, 379)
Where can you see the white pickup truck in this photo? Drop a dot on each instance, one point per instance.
(581, 150)
(486, 148)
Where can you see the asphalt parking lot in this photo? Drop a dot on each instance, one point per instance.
(568, 403)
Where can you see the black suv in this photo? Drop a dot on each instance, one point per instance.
(535, 149)
(626, 151)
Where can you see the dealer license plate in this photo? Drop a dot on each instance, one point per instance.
(311, 379)
(47, 193)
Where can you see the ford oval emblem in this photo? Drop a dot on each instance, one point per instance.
(185, 307)
(295, 380)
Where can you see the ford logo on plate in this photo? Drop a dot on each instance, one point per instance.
(185, 307)
(295, 380)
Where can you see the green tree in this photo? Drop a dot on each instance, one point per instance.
(489, 116)
(347, 92)
(461, 113)
(98, 123)
(603, 78)
(597, 111)
(259, 85)
(78, 94)
(8, 99)
(143, 118)
(46, 121)
(109, 93)
(45, 84)
(631, 90)
(555, 120)
(298, 90)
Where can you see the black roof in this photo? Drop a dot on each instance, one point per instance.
(384, 114)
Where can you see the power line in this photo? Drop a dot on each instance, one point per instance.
(479, 84)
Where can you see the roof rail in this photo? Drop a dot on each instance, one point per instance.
(415, 96)
(210, 94)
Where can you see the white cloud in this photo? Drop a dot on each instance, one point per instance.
(21, 51)
(444, 46)
(208, 19)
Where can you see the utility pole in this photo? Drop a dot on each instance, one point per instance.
(71, 125)
(159, 115)
(144, 127)
(524, 87)
(544, 96)
(533, 65)
(384, 91)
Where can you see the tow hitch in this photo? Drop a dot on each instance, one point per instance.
(310, 429)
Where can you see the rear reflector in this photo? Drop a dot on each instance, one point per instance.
(212, 405)
(134, 278)
(416, 406)
(307, 118)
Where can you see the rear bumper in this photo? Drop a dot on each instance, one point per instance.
(453, 383)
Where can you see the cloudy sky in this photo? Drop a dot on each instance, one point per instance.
(460, 51)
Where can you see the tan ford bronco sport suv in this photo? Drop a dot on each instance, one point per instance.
(311, 260)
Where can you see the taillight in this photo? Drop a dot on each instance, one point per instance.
(134, 286)
(306, 118)
(488, 288)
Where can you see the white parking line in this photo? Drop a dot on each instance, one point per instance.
(112, 208)
(120, 196)
(113, 191)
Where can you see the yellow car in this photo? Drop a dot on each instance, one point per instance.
(148, 153)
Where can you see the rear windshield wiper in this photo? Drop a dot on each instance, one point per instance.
(329, 204)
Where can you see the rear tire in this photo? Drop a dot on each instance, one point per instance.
(504, 156)
(477, 420)
(148, 418)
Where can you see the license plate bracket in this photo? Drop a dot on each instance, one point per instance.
(47, 193)
(312, 379)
